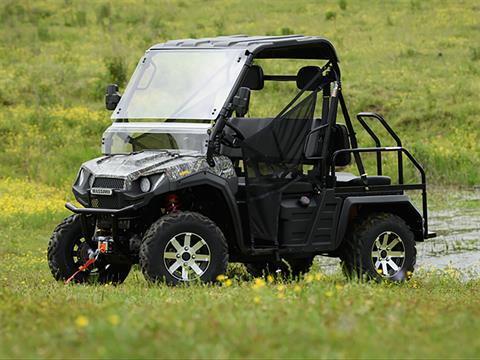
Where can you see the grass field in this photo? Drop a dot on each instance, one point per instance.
(417, 63)
(434, 315)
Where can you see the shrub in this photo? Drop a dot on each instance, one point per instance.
(81, 18)
(475, 54)
(117, 70)
(330, 15)
(43, 33)
(103, 12)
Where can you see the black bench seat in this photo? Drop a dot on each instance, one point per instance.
(349, 179)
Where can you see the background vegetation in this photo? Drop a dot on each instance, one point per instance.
(417, 63)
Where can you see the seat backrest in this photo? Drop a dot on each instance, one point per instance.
(254, 78)
(248, 127)
(339, 140)
(305, 75)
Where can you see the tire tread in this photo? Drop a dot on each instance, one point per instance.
(354, 245)
(150, 237)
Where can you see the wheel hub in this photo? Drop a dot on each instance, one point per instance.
(388, 254)
(81, 254)
(84, 252)
(187, 256)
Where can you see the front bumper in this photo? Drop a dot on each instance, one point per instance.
(91, 211)
(113, 217)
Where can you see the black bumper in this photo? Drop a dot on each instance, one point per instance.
(90, 211)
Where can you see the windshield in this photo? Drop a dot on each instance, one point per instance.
(180, 84)
(125, 138)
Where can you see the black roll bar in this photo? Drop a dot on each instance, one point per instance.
(353, 139)
(378, 144)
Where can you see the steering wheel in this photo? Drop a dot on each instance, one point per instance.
(231, 141)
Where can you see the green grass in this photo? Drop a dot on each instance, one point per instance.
(433, 315)
(436, 314)
(417, 63)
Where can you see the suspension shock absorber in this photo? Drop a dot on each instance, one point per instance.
(172, 203)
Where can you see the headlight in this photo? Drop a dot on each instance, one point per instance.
(81, 177)
(91, 180)
(145, 185)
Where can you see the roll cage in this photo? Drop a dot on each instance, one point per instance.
(328, 81)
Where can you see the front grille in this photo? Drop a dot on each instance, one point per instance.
(106, 202)
(109, 183)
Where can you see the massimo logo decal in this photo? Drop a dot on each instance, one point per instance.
(100, 191)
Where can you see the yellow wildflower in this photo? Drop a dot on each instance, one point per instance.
(221, 277)
(24, 197)
(258, 283)
(228, 282)
(114, 320)
(309, 278)
(338, 287)
(297, 288)
(281, 288)
(270, 279)
(81, 321)
(318, 276)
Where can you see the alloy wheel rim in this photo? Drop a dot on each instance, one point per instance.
(187, 256)
(388, 254)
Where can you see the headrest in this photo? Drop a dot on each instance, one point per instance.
(305, 74)
(254, 78)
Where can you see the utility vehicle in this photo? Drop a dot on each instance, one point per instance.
(202, 183)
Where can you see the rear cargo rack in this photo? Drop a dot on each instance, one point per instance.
(400, 150)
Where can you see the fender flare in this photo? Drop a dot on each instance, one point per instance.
(227, 188)
(396, 204)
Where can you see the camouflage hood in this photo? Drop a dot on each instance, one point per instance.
(174, 164)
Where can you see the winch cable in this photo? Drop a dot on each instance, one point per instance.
(90, 261)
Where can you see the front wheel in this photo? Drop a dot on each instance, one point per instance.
(68, 250)
(381, 246)
(183, 247)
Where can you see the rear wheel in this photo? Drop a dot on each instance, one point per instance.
(380, 246)
(68, 250)
(183, 247)
(290, 268)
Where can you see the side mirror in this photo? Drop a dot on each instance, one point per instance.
(241, 101)
(112, 97)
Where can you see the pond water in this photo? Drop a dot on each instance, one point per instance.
(457, 244)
